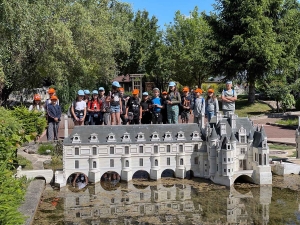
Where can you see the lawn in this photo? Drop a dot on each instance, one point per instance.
(288, 122)
(243, 108)
(281, 146)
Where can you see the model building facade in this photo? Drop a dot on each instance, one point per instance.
(223, 150)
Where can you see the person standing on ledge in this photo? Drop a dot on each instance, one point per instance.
(173, 100)
(228, 99)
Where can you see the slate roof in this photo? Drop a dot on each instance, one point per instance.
(240, 122)
(133, 130)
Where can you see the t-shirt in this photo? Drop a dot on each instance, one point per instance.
(79, 106)
(156, 101)
(228, 105)
(37, 107)
(186, 101)
(133, 105)
(212, 105)
(94, 105)
(115, 99)
(145, 104)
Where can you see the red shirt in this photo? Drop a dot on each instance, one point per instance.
(94, 104)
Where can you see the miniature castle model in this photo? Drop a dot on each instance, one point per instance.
(222, 150)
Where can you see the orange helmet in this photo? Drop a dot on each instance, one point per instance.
(37, 97)
(185, 89)
(135, 91)
(53, 97)
(164, 93)
(198, 90)
(210, 90)
(51, 91)
(121, 89)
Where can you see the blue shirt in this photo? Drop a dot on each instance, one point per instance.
(156, 101)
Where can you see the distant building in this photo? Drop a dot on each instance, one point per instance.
(225, 149)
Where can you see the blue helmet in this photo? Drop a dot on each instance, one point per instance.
(95, 92)
(172, 84)
(101, 89)
(80, 92)
(145, 93)
(116, 84)
(86, 92)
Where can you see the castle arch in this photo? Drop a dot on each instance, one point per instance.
(168, 173)
(244, 179)
(189, 174)
(141, 174)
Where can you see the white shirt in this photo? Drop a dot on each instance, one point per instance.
(37, 108)
(80, 105)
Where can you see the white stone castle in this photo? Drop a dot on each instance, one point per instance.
(222, 150)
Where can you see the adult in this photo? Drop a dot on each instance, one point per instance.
(115, 103)
(37, 104)
(173, 101)
(212, 104)
(105, 108)
(93, 108)
(78, 109)
(228, 99)
(53, 117)
(133, 108)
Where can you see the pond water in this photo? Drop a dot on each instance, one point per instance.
(173, 201)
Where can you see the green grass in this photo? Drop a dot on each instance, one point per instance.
(288, 122)
(44, 147)
(25, 163)
(294, 154)
(280, 147)
(243, 108)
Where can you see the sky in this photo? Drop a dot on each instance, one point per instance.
(164, 10)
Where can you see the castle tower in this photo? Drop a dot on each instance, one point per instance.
(233, 141)
(212, 152)
(126, 173)
(155, 172)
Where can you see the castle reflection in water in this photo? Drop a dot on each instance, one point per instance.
(166, 204)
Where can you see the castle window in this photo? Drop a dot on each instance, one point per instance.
(243, 140)
(169, 195)
(141, 162)
(181, 162)
(196, 160)
(141, 196)
(112, 200)
(224, 159)
(112, 163)
(259, 159)
(228, 159)
(94, 164)
(196, 148)
(228, 147)
(141, 148)
(265, 159)
(76, 151)
(156, 162)
(180, 148)
(243, 150)
(155, 149)
(94, 150)
(76, 164)
(255, 157)
(229, 170)
(168, 148)
(126, 150)
(168, 162)
(126, 163)
(225, 170)
(112, 150)
(77, 201)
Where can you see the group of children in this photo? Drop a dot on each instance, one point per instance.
(163, 108)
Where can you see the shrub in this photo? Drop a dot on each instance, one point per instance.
(288, 102)
(42, 150)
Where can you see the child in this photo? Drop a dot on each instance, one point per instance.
(37, 104)
(146, 105)
(185, 105)
(157, 105)
(133, 108)
(51, 92)
(78, 109)
(173, 100)
(123, 100)
(212, 104)
(228, 99)
(94, 106)
(198, 107)
(115, 103)
(105, 109)
(87, 99)
(53, 115)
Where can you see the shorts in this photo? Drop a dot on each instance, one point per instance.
(115, 109)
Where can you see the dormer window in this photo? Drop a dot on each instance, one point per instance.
(76, 138)
(126, 137)
(180, 136)
(168, 136)
(223, 128)
(94, 138)
(195, 135)
(141, 136)
(243, 139)
(111, 138)
(228, 147)
(155, 136)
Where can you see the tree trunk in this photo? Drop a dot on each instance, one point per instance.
(277, 105)
(251, 95)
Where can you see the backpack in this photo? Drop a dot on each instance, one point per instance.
(136, 102)
(232, 91)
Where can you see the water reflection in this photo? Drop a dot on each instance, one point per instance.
(164, 204)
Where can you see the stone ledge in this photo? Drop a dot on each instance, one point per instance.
(32, 200)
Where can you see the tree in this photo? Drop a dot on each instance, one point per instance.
(186, 41)
(246, 38)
